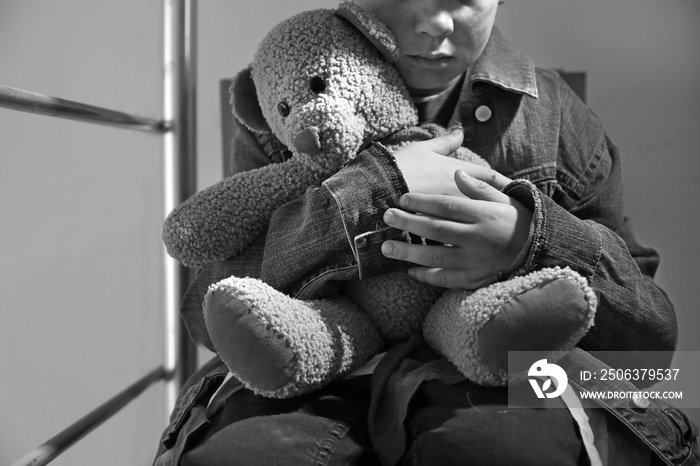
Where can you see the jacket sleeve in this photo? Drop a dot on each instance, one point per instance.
(590, 234)
(334, 232)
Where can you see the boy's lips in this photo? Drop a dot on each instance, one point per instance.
(430, 61)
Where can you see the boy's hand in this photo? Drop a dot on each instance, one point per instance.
(427, 170)
(485, 228)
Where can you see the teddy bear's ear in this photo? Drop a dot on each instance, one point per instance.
(244, 100)
(376, 31)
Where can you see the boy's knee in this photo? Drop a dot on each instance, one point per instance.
(493, 437)
(292, 438)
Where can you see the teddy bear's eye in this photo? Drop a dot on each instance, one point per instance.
(317, 84)
(283, 108)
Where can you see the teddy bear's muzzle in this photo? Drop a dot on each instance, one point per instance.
(308, 141)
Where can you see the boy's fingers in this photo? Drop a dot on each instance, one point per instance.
(445, 278)
(455, 208)
(427, 256)
(475, 188)
(435, 277)
(426, 226)
(487, 175)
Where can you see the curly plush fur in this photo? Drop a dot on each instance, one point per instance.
(326, 91)
(364, 100)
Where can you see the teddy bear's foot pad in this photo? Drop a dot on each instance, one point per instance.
(280, 346)
(548, 310)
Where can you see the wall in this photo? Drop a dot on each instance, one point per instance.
(80, 268)
(80, 275)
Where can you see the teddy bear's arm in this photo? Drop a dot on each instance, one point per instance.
(222, 220)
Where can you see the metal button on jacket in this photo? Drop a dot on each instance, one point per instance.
(640, 402)
(483, 113)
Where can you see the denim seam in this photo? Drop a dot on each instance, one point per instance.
(414, 453)
(344, 221)
(594, 164)
(321, 275)
(529, 88)
(579, 184)
(491, 79)
(570, 184)
(600, 253)
(381, 155)
(619, 413)
(387, 159)
(528, 172)
(184, 408)
(690, 458)
(327, 446)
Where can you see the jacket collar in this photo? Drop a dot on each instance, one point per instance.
(503, 66)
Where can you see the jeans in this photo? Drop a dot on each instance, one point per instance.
(324, 428)
(330, 427)
(415, 409)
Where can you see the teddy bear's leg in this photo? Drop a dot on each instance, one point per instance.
(279, 346)
(548, 310)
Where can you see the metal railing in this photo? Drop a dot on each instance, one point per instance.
(32, 102)
(49, 450)
(179, 159)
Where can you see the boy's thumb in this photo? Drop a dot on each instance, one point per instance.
(447, 144)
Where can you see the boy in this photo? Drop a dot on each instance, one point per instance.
(529, 126)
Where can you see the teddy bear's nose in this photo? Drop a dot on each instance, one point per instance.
(308, 141)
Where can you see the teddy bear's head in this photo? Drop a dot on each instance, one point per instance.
(324, 87)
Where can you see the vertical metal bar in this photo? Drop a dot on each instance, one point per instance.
(180, 173)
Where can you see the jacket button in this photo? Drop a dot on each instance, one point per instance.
(640, 402)
(483, 113)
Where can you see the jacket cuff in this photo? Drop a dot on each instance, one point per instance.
(527, 194)
(557, 237)
(362, 210)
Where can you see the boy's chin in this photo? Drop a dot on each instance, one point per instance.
(429, 80)
(430, 85)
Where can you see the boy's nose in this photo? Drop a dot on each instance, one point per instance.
(434, 22)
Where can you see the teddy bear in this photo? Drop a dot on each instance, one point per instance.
(322, 82)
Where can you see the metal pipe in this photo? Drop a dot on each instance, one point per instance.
(53, 447)
(32, 102)
(179, 153)
(180, 176)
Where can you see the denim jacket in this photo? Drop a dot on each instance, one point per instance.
(567, 171)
